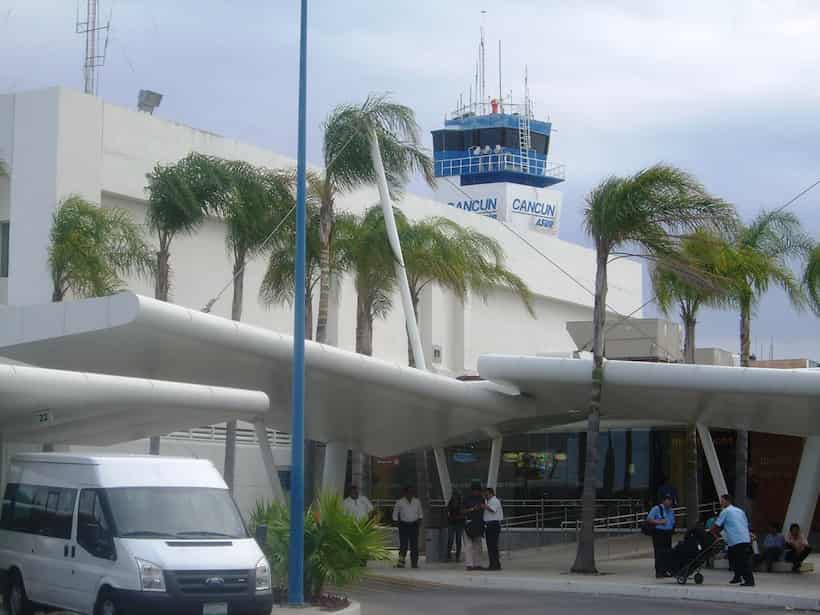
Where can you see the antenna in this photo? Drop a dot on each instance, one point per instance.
(500, 91)
(94, 52)
(483, 65)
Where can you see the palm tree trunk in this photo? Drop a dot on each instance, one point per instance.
(229, 472)
(585, 556)
(692, 470)
(364, 325)
(742, 436)
(57, 295)
(325, 230)
(308, 317)
(161, 283)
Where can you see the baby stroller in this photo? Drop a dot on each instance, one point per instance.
(693, 553)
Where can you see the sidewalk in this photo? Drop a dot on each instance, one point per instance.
(627, 571)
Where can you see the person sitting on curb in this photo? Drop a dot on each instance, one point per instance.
(797, 547)
(773, 546)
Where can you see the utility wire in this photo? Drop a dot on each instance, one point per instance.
(799, 195)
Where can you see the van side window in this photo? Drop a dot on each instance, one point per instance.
(47, 511)
(93, 528)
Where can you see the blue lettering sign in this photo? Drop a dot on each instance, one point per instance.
(534, 208)
(487, 206)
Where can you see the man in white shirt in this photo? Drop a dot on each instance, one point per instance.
(493, 516)
(408, 515)
(358, 506)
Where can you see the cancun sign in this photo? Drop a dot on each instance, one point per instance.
(486, 206)
(542, 212)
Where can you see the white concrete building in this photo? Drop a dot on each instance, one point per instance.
(57, 142)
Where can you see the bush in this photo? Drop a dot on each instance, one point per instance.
(336, 544)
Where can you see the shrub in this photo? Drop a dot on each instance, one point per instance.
(336, 544)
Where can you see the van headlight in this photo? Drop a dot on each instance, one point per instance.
(262, 576)
(151, 577)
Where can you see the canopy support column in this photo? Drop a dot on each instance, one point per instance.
(495, 461)
(2, 465)
(270, 465)
(806, 488)
(335, 470)
(443, 473)
(712, 460)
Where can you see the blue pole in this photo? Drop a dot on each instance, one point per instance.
(296, 557)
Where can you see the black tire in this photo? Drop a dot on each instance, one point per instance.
(682, 580)
(16, 600)
(107, 603)
(698, 579)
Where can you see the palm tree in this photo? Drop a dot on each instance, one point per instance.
(179, 196)
(761, 255)
(349, 165)
(364, 243)
(278, 286)
(705, 252)
(91, 249)
(439, 251)
(641, 211)
(178, 199)
(252, 202)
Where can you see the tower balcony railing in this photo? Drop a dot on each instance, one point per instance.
(500, 162)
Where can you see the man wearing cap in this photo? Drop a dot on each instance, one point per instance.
(662, 518)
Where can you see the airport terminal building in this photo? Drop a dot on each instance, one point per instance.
(58, 142)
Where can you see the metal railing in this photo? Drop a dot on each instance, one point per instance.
(634, 520)
(494, 163)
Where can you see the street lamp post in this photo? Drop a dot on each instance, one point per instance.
(296, 556)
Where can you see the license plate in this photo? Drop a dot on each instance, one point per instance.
(215, 608)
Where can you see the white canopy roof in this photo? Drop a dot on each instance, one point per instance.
(382, 408)
(45, 405)
(756, 399)
(371, 405)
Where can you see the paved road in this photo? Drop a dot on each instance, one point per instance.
(387, 598)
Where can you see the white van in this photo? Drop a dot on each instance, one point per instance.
(111, 535)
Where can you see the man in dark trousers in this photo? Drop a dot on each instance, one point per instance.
(493, 516)
(735, 525)
(662, 517)
(407, 513)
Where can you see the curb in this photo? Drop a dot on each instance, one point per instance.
(355, 608)
(684, 592)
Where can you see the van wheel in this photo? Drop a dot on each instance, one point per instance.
(16, 600)
(107, 604)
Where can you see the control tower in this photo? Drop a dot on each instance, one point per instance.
(492, 158)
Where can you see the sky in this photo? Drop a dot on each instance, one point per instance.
(726, 90)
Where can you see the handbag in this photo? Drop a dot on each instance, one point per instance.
(474, 529)
(647, 528)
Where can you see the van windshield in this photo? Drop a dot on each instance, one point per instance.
(174, 512)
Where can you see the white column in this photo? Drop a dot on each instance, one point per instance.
(712, 460)
(495, 461)
(443, 473)
(395, 244)
(806, 487)
(270, 465)
(333, 474)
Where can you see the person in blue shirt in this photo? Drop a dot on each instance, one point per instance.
(774, 543)
(663, 518)
(733, 522)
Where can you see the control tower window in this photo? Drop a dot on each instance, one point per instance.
(438, 141)
(472, 138)
(511, 138)
(453, 141)
(539, 142)
(492, 137)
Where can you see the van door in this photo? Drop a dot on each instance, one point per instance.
(55, 542)
(95, 554)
